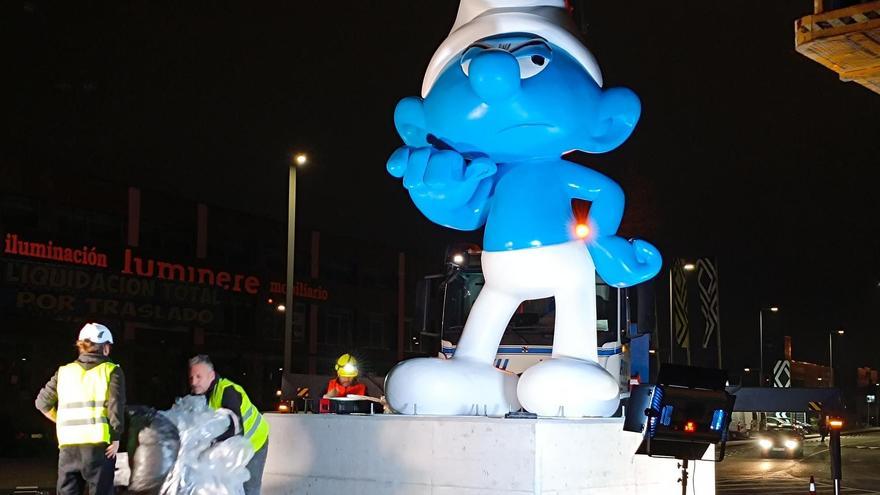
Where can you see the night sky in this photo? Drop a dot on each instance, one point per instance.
(746, 150)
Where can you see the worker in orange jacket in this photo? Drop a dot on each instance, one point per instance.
(346, 382)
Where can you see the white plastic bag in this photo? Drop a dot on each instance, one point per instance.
(204, 467)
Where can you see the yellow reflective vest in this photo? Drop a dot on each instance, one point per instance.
(255, 429)
(82, 404)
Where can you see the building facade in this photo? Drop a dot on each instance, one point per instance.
(173, 278)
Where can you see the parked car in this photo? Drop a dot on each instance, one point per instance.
(777, 422)
(806, 427)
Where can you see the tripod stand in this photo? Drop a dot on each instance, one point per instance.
(684, 476)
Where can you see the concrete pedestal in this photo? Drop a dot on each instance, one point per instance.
(391, 454)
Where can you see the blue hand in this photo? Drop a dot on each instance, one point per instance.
(446, 189)
(621, 263)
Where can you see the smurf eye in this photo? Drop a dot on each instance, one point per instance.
(533, 56)
(530, 66)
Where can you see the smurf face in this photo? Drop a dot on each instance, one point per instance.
(519, 97)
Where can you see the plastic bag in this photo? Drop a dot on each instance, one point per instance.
(202, 466)
(156, 453)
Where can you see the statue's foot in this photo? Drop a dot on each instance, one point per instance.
(450, 387)
(568, 387)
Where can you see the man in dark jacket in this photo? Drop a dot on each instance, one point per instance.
(86, 400)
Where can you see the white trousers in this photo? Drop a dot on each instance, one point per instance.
(564, 271)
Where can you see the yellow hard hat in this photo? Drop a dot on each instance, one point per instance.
(347, 366)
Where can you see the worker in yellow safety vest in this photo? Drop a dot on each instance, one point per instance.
(221, 392)
(86, 400)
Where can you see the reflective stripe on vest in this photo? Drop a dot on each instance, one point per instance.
(82, 404)
(254, 428)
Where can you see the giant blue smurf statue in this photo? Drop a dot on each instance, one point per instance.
(510, 90)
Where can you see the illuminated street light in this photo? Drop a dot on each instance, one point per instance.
(831, 352)
(281, 308)
(689, 267)
(299, 159)
(773, 309)
(747, 370)
(458, 259)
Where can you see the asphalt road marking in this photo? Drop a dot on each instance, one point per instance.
(791, 486)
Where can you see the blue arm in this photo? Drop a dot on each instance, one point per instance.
(605, 196)
(471, 216)
(619, 262)
(443, 187)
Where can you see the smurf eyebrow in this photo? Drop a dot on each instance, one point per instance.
(479, 44)
(511, 47)
(524, 44)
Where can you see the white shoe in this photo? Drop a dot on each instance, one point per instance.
(450, 387)
(568, 387)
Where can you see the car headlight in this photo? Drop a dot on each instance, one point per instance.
(765, 443)
(791, 444)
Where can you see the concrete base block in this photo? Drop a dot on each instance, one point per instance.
(465, 455)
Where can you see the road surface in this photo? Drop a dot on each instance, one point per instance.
(744, 472)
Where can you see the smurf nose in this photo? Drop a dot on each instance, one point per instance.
(494, 75)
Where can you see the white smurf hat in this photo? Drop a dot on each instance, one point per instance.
(96, 333)
(478, 19)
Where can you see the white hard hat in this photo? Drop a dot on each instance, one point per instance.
(478, 19)
(96, 333)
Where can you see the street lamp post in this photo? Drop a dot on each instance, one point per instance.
(298, 160)
(831, 352)
(761, 342)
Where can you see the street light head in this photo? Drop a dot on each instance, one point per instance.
(652, 351)
(300, 159)
(281, 308)
(747, 370)
(774, 308)
(840, 332)
(689, 267)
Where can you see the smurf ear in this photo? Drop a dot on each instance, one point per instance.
(616, 116)
(409, 120)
